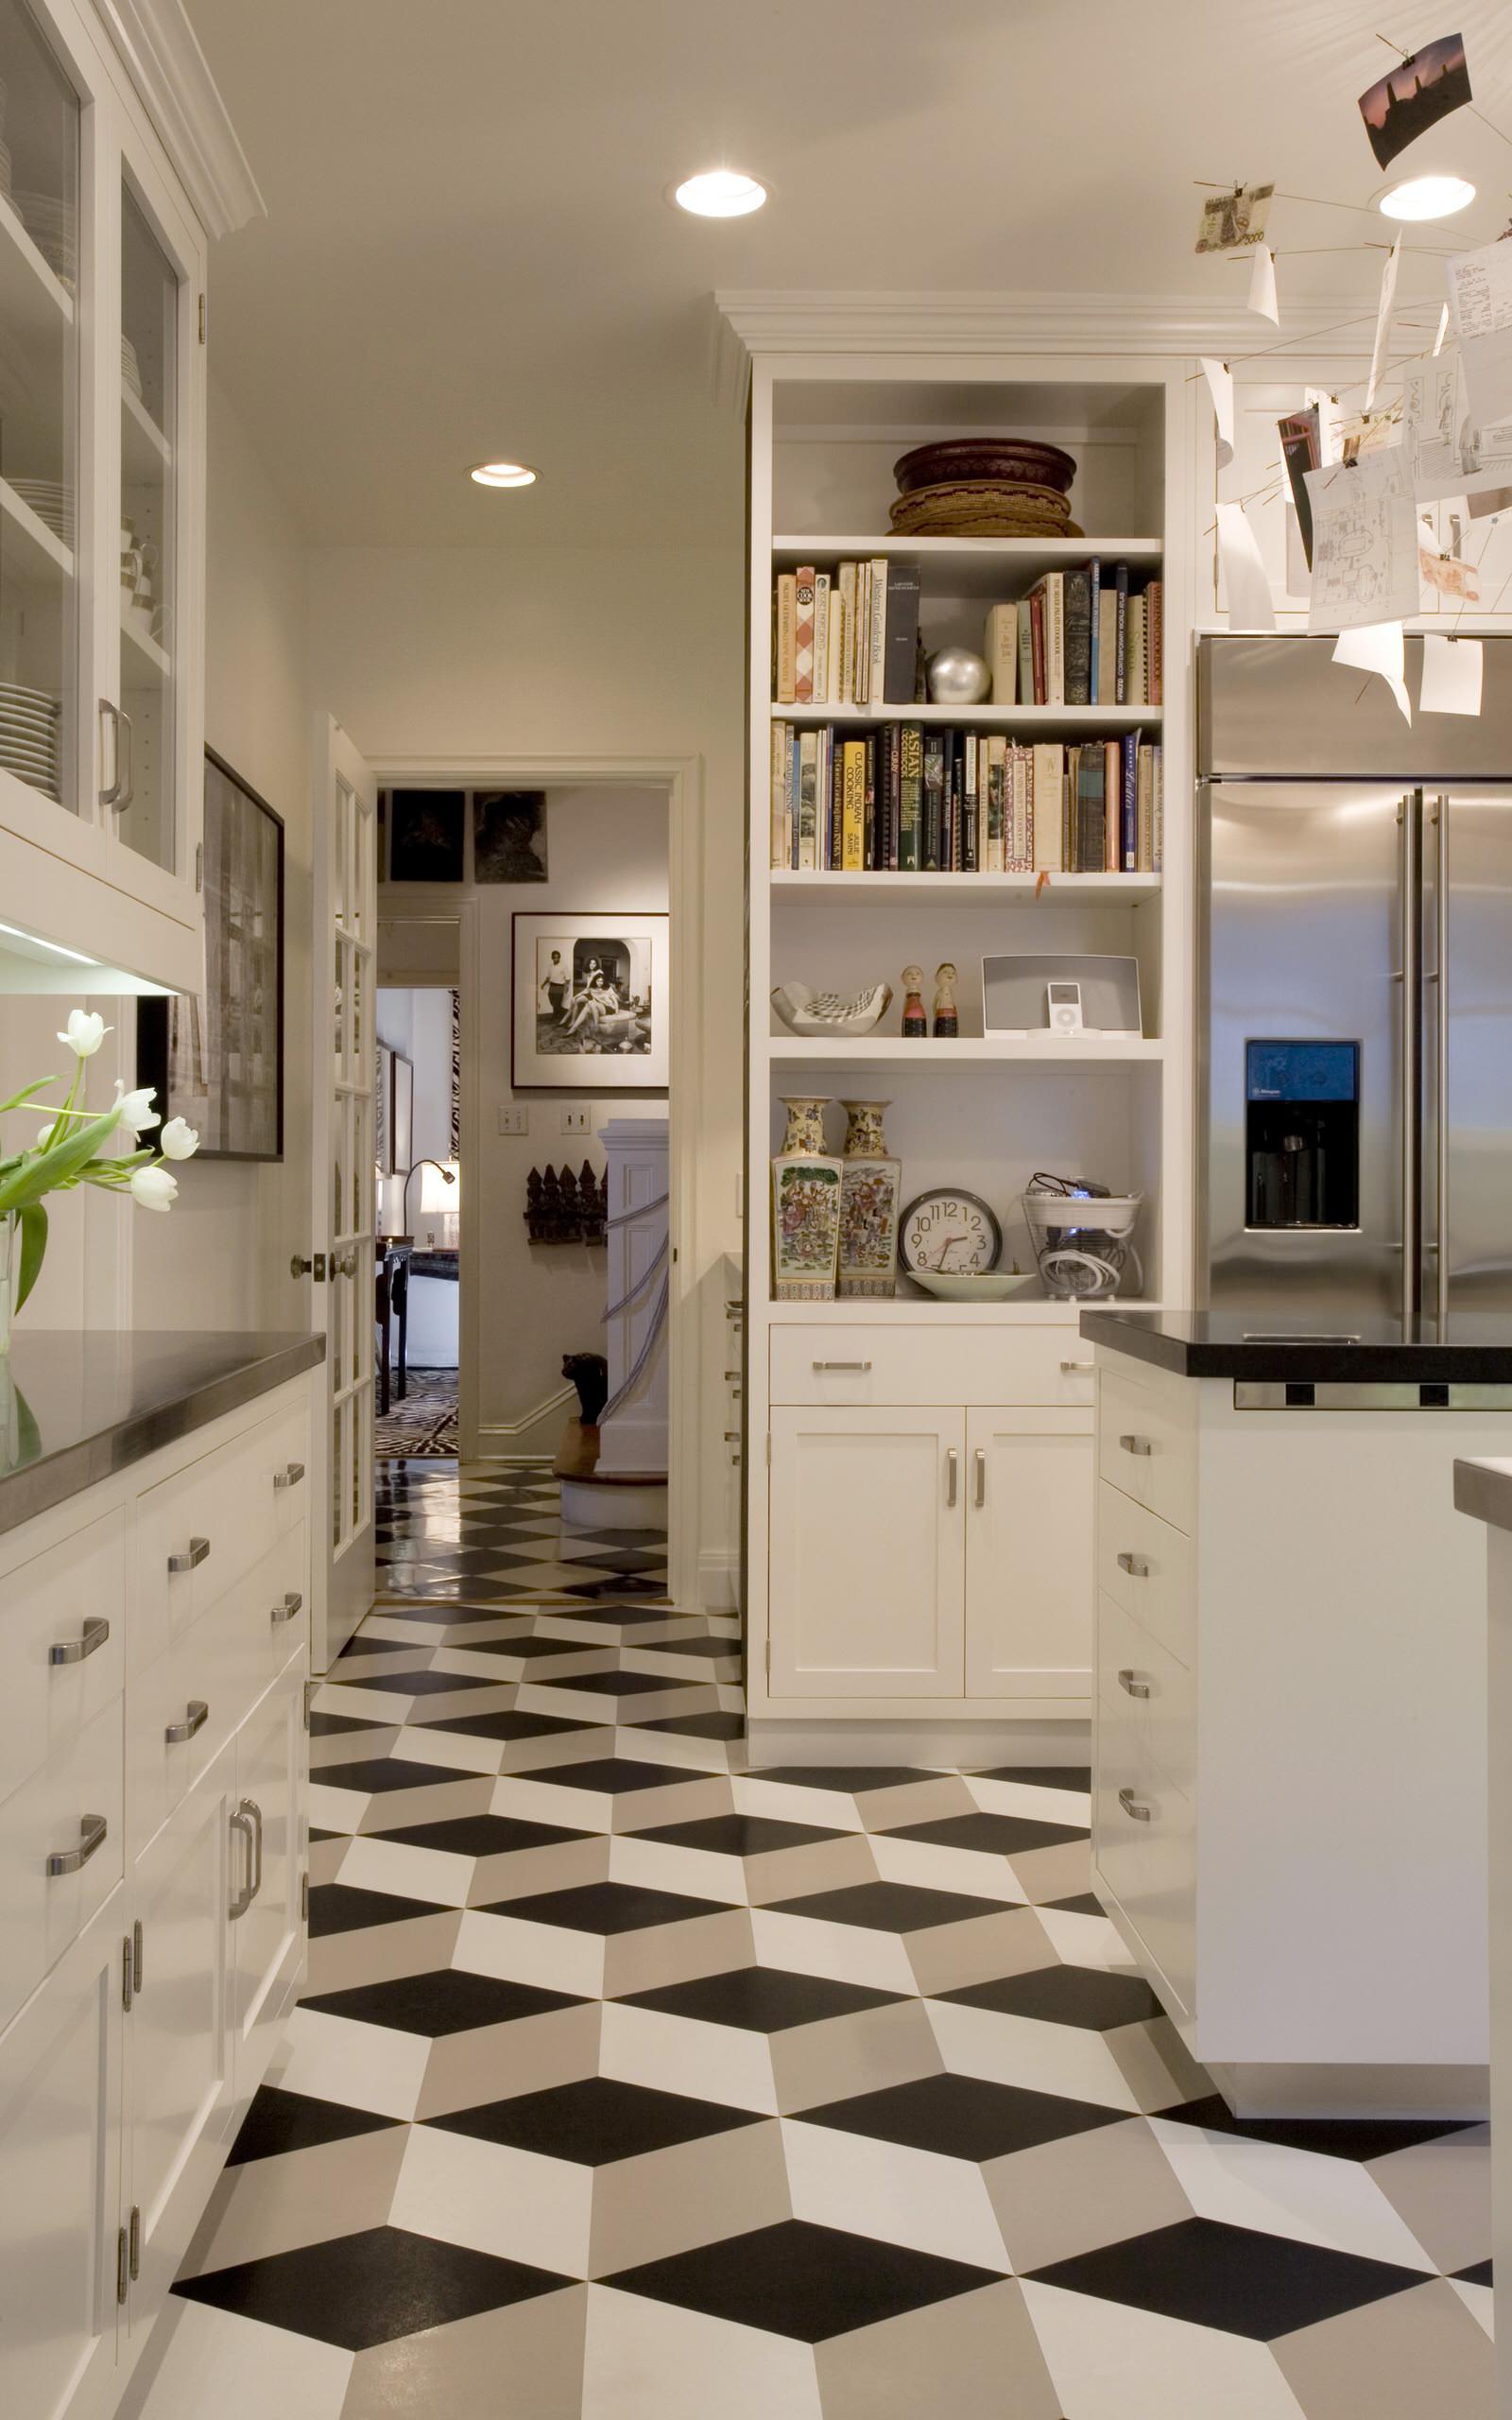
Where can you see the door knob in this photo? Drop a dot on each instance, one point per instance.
(346, 1266)
(315, 1267)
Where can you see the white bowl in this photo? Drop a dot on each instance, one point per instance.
(985, 1285)
(805, 1010)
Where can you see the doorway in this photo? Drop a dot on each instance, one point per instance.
(420, 1193)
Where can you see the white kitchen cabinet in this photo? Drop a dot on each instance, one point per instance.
(103, 247)
(1028, 1553)
(59, 2159)
(868, 1553)
(268, 1937)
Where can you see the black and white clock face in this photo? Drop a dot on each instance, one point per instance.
(950, 1234)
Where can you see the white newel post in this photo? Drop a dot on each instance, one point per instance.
(634, 1437)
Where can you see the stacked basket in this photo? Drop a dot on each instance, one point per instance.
(985, 487)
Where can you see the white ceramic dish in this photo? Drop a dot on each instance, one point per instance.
(807, 1012)
(988, 1285)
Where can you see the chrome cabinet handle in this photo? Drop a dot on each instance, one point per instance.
(117, 795)
(196, 1716)
(842, 1365)
(1136, 1445)
(1410, 1074)
(1441, 1011)
(240, 1820)
(952, 1475)
(979, 1459)
(74, 1650)
(1127, 1682)
(1135, 1565)
(288, 1606)
(92, 1831)
(1133, 1808)
(1082, 1368)
(256, 1813)
(289, 1476)
(198, 1551)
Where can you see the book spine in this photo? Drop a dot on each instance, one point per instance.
(1135, 670)
(787, 636)
(803, 635)
(1144, 825)
(1078, 637)
(1121, 634)
(996, 769)
(1113, 806)
(1157, 809)
(834, 650)
(1001, 649)
(868, 847)
(895, 785)
(822, 799)
(836, 806)
(970, 807)
(956, 764)
(899, 643)
(1107, 648)
(1094, 616)
(808, 824)
(1037, 631)
(933, 799)
(911, 803)
(863, 673)
(1155, 634)
(795, 762)
(1129, 771)
(1047, 772)
(877, 664)
(1025, 652)
(1055, 638)
(853, 824)
(1019, 851)
(821, 638)
(778, 848)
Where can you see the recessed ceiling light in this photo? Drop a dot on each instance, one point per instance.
(1427, 197)
(501, 474)
(720, 193)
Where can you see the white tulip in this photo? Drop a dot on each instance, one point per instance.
(153, 1189)
(179, 1140)
(136, 1108)
(45, 1137)
(85, 1033)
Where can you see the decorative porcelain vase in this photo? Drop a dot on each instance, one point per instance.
(805, 1208)
(869, 1204)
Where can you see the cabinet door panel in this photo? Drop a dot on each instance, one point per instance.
(59, 2157)
(1029, 1554)
(178, 2041)
(867, 1553)
(265, 1939)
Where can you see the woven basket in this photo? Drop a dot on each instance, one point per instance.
(982, 509)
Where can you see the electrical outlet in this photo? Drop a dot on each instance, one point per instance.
(514, 1121)
(577, 1121)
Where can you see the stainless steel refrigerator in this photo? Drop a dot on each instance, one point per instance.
(1354, 986)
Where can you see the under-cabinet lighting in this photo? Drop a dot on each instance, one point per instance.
(503, 475)
(34, 940)
(720, 193)
(1427, 197)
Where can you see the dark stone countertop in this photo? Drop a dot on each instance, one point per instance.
(76, 1405)
(1260, 1344)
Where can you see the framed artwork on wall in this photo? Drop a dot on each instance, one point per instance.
(217, 1057)
(402, 1114)
(508, 836)
(590, 1003)
(383, 1112)
(426, 836)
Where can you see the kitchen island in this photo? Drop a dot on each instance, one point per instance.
(1289, 1744)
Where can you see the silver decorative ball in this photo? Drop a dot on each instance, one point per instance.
(958, 678)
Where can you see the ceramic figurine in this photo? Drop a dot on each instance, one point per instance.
(947, 1016)
(916, 1025)
(805, 1208)
(869, 1205)
(958, 678)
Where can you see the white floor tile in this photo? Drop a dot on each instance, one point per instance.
(649, 2360)
(1072, 2059)
(1030, 1799)
(721, 2062)
(363, 2066)
(1110, 2362)
(1478, 2301)
(217, 2362)
(809, 1946)
(514, 2204)
(1087, 1940)
(550, 1956)
(976, 1872)
(894, 2192)
(376, 1863)
(793, 1803)
(1280, 2191)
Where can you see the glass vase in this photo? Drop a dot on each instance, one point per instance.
(10, 1275)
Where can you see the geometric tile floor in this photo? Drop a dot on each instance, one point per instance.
(633, 2086)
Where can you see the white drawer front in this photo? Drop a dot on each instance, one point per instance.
(206, 1527)
(1145, 1565)
(40, 1913)
(911, 1365)
(1146, 1846)
(1161, 1694)
(68, 1603)
(1148, 1445)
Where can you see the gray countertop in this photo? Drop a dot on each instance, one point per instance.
(76, 1405)
(1261, 1344)
(1484, 1488)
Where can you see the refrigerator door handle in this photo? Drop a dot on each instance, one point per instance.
(1440, 977)
(1408, 874)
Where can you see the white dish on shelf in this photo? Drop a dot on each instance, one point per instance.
(984, 1286)
(803, 1010)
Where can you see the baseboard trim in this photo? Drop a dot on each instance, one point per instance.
(533, 1438)
(718, 1581)
(919, 1744)
(1260, 2089)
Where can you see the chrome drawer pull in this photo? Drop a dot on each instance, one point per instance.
(1136, 1445)
(290, 1475)
(1135, 1565)
(1082, 1369)
(953, 1476)
(240, 1820)
(92, 1831)
(73, 1651)
(1132, 1807)
(195, 1716)
(286, 1609)
(842, 1365)
(1127, 1682)
(198, 1550)
(981, 1477)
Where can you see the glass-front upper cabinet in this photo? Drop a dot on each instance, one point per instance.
(153, 286)
(42, 307)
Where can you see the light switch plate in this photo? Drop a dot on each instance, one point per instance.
(576, 1121)
(514, 1119)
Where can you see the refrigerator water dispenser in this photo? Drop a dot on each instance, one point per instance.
(1303, 1134)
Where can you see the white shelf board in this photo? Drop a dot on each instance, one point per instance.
(891, 1050)
(916, 1311)
(152, 656)
(31, 550)
(1010, 718)
(33, 303)
(1060, 890)
(969, 567)
(146, 455)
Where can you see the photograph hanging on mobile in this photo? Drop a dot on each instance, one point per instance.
(1414, 97)
(1233, 220)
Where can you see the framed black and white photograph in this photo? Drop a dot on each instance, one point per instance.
(216, 1057)
(402, 1115)
(426, 835)
(383, 1112)
(591, 1002)
(508, 836)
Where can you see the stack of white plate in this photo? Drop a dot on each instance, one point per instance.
(5, 163)
(130, 367)
(52, 502)
(32, 736)
(52, 227)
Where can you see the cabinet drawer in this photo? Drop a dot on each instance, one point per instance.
(1148, 1445)
(1145, 1844)
(40, 1913)
(909, 1365)
(69, 1601)
(1145, 1565)
(214, 1520)
(1161, 1695)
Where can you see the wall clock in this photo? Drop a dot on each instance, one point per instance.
(950, 1233)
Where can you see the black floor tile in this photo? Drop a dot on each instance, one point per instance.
(327, 1727)
(447, 2000)
(998, 1834)
(386, 1772)
(620, 1685)
(1081, 1903)
(1041, 1776)
(292, 2121)
(339, 1906)
(1478, 2274)
(484, 1835)
(1358, 2139)
(854, 1779)
(615, 1774)
(713, 1726)
(1082, 1996)
(606, 1908)
(422, 1683)
(1232, 2279)
(596, 2121)
(761, 1999)
(892, 1907)
(507, 1722)
(963, 2117)
(369, 2289)
(807, 2282)
(739, 1835)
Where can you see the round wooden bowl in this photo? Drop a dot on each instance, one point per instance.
(1004, 461)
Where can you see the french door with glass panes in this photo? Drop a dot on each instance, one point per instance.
(339, 1263)
(101, 509)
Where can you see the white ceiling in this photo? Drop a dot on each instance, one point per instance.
(468, 252)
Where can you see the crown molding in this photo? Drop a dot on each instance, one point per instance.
(157, 46)
(771, 321)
